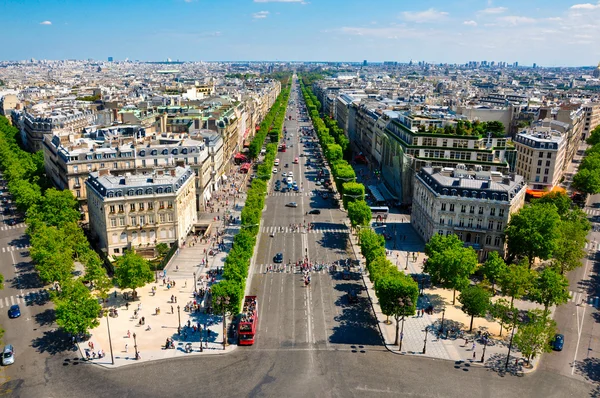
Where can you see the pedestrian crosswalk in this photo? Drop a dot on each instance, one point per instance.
(16, 226)
(9, 249)
(279, 193)
(316, 230)
(284, 268)
(30, 298)
(581, 298)
(592, 211)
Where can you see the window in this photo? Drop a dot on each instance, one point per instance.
(75, 169)
(549, 155)
(115, 166)
(132, 207)
(161, 204)
(170, 217)
(150, 219)
(463, 209)
(479, 223)
(539, 162)
(472, 210)
(133, 220)
(477, 239)
(490, 225)
(150, 206)
(111, 208)
(493, 211)
(497, 241)
(117, 251)
(450, 222)
(545, 179)
(121, 221)
(442, 220)
(443, 207)
(142, 220)
(113, 222)
(499, 226)
(141, 206)
(156, 162)
(451, 207)
(541, 154)
(538, 170)
(170, 204)
(546, 171)
(121, 208)
(470, 223)
(441, 233)
(501, 212)
(481, 210)
(461, 222)
(161, 218)
(547, 163)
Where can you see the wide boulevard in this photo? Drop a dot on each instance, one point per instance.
(311, 341)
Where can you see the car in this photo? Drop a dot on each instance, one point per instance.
(14, 311)
(291, 174)
(315, 211)
(274, 170)
(284, 189)
(278, 258)
(294, 184)
(277, 187)
(289, 180)
(284, 174)
(318, 183)
(295, 188)
(292, 204)
(558, 342)
(12, 222)
(352, 296)
(8, 355)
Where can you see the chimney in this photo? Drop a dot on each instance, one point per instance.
(103, 172)
(180, 163)
(172, 172)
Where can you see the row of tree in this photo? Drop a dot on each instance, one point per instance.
(227, 295)
(587, 178)
(336, 146)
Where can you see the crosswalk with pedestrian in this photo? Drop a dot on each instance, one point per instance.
(8, 249)
(28, 298)
(316, 230)
(581, 298)
(16, 226)
(284, 268)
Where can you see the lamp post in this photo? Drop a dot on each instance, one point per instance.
(485, 341)
(223, 302)
(512, 334)
(406, 261)
(179, 318)
(195, 284)
(403, 303)
(112, 357)
(425, 344)
(137, 356)
(442, 327)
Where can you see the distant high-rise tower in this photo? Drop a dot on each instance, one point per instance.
(534, 65)
(596, 72)
(110, 59)
(365, 62)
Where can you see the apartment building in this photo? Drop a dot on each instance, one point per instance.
(475, 205)
(139, 211)
(35, 124)
(592, 118)
(541, 156)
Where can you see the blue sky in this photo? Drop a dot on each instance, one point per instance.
(548, 32)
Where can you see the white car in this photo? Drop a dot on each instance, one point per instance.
(291, 174)
(274, 170)
(276, 162)
(289, 180)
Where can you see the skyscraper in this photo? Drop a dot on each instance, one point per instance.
(110, 59)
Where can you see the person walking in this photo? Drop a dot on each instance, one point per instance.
(126, 347)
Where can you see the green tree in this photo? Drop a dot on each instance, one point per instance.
(52, 256)
(533, 337)
(397, 297)
(594, 137)
(227, 288)
(76, 310)
(451, 267)
(495, 127)
(550, 288)
(359, 213)
(493, 267)
(475, 301)
(56, 208)
(559, 199)
(570, 245)
(439, 243)
(501, 310)
(353, 192)
(533, 232)
(516, 281)
(25, 193)
(96, 274)
(132, 271)
(333, 152)
(587, 181)
(162, 249)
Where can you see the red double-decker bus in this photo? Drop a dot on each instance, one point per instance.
(248, 321)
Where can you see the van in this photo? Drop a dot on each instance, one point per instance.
(8, 355)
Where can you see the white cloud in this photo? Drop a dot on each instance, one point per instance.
(430, 15)
(493, 10)
(45, 23)
(585, 6)
(514, 20)
(470, 23)
(260, 14)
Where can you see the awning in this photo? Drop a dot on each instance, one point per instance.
(246, 166)
(538, 193)
(386, 192)
(240, 156)
(376, 194)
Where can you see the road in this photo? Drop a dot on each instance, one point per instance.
(579, 319)
(311, 341)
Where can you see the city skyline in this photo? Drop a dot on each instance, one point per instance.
(548, 33)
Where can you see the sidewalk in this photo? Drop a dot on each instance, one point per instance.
(186, 264)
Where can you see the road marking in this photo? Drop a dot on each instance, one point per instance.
(579, 327)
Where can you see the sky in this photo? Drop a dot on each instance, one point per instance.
(546, 32)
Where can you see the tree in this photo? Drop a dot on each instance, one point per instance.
(516, 281)
(132, 271)
(501, 310)
(559, 199)
(76, 310)
(587, 181)
(550, 288)
(52, 256)
(475, 301)
(594, 137)
(451, 267)
(570, 245)
(533, 232)
(227, 288)
(359, 213)
(493, 267)
(495, 127)
(162, 249)
(533, 337)
(439, 243)
(397, 297)
(26, 194)
(56, 208)
(95, 273)
(334, 152)
(353, 192)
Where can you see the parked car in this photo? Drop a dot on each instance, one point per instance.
(292, 204)
(14, 311)
(558, 342)
(315, 211)
(8, 355)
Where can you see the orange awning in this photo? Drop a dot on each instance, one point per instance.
(536, 193)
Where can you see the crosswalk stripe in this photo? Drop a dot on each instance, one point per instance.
(12, 301)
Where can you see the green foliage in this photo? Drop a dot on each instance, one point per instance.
(533, 232)
(359, 213)
(132, 271)
(594, 137)
(56, 208)
(397, 295)
(95, 274)
(533, 337)
(89, 98)
(162, 249)
(501, 310)
(587, 181)
(52, 254)
(559, 199)
(493, 268)
(353, 191)
(76, 309)
(550, 288)
(516, 281)
(449, 264)
(227, 289)
(475, 301)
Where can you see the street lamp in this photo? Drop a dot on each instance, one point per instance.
(442, 327)
(485, 341)
(223, 302)
(195, 283)
(512, 334)
(137, 355)
(112, 357)
(403, 303)
(179, 317)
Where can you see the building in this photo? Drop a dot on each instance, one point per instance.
(8, 102)
(541, 157)
(592, 118)
(139, 211)
(110, 59)
(36, 125)
(474, 205)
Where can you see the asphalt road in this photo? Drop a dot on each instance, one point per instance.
(311, 342)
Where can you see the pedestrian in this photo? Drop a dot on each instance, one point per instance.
(128, 334)
(126, 347)
(473, 347)
(474, 354)
(172, 312)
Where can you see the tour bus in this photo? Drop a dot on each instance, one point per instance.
(380, 211)
(248, 321)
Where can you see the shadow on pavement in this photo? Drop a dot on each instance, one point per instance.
(497, 363)
(46, 317)
(589, 368)
(28, 277)
(54, 342)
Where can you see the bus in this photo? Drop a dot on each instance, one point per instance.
(248, 321)
(380, 211)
